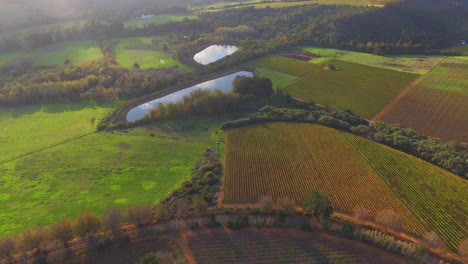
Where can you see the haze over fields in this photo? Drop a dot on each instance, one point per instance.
(233, 131)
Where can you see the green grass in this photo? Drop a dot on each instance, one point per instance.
(285, 65)
(158, 20)
(128, 51)
(279, 79)
(362, 89)
(100, 170)
(451, 75)
(438, 198)
(77, 51)
(405, 63)
(32, 128)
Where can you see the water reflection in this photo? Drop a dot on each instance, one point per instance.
(223, 83)
(214, 53)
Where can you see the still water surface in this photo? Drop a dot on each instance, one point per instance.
(214, 53)
(223, 83)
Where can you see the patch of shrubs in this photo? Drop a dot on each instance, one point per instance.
(204, 183)
(241, 221)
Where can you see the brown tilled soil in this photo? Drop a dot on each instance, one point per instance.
(301, 55)
(283, 246)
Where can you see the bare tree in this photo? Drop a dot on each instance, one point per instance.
(199, 205)
(389, 219)
(433, 240)
(463, 249)
(87, 223)
(161, 212)
(266, 204)
(7, 247)
(33, 238)
(139, 214)
(362, 213)
(287, 204)
(111, 220)
(62, 231)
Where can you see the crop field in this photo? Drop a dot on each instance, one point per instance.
(77, 51)
(437, 106)
(433, 112)
(438, 198)
(451, 75)
(285, 65)
(158, 20)
(362, 89)
(100, 170)
(283, 246)
(128, 51)
(463, 50)
(406, 63)
(279, 79)
(288, 160)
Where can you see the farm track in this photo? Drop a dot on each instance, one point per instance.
(403, 93)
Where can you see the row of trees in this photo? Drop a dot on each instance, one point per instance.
(214, 102)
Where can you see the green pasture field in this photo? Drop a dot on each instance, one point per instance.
(158, 20)
(285, 65)
(362, 89)
(437, 197)
(31, 128)
(77, 51)
(279, 79)
(92, 173)
(128, 51)
(451, 75)
(406, 63)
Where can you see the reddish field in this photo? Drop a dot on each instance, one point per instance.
(433, 112)
(283, 246)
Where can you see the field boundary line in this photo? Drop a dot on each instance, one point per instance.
(403, 93)
(46, 148)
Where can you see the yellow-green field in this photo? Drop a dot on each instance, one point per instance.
(158, 20)
(362, 89)
(77, 51)
(128, 51)
(406, 63)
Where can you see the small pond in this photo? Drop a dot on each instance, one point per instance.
(214, 53)
(223, 83)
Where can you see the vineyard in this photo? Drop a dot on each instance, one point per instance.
(438, 198)
(450, 76)
(305, 157)
(283, 246)
(364, 90)
(437, 106)
(285, 65)
(433, 112)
